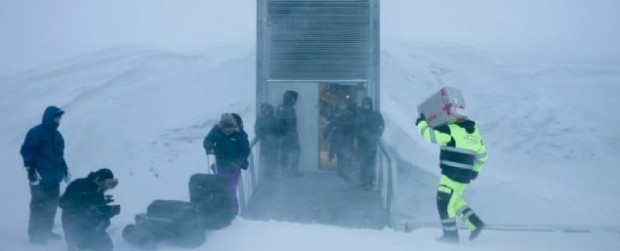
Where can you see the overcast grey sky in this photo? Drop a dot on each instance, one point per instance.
(557, 28)
(40, 32)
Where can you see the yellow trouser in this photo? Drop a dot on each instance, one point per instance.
(450, 201)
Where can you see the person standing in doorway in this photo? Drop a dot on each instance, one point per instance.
(43, 155)
(267, 131)
(341, 134)
(369, 128)
(289, 140)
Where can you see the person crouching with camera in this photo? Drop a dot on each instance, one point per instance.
(86, 211)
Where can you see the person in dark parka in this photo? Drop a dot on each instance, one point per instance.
(43, 155)
(229, 142)
(289, 140)
(267, 131)
(85, 213)
(341, 134)
(369, 128)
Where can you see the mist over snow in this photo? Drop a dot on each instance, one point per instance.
(142, 82)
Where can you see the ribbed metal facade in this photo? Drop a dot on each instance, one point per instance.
(317, 40)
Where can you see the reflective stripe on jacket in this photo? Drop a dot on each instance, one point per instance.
(462, 150)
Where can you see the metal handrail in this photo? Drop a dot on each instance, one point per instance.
(387, 181)
(248, 180)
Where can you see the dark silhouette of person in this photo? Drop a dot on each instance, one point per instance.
(341, 134)
(267, 131)
(86, 214)
(289, 139)
(369, 128)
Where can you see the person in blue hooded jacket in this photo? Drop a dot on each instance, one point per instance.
(43, 155)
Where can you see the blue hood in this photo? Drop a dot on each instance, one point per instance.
(48, 116)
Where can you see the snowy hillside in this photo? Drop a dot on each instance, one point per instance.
(143, 113)
(548, 129)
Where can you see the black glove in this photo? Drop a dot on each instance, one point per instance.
(209, 146)
(420, 119)
(244, 165)
(33, 176)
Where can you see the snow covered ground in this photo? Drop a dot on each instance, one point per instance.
(549, 125)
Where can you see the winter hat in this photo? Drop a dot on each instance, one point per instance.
(290, 97)
(228, 124)
(104, 173)
(103, 177)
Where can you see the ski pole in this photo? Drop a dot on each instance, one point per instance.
(208, 164)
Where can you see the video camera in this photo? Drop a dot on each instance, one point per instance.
(106, 210)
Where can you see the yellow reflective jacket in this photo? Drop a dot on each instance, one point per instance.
(462, 151)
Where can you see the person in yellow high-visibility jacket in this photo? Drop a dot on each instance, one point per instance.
(461, 158)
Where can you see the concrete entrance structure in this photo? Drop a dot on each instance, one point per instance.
(310, 46)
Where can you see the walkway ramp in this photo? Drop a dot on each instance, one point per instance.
(317, 198)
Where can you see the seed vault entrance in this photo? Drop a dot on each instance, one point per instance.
(328, 52)
(316, 47)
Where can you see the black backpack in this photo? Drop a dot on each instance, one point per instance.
(175, 223)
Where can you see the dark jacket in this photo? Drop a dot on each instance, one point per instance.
(80, 202)
(287, 117)
(267, 130)
(341, 132)
(369, 127)
(228, 149)
(43, 148)
(287, 120)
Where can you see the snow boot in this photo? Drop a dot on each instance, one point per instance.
(450, 237)
(478, 226)
(474, 233)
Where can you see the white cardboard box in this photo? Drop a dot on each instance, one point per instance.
(445, 106)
